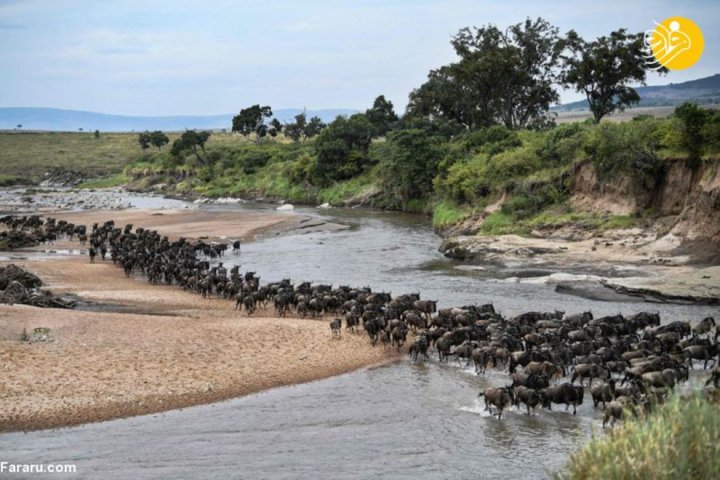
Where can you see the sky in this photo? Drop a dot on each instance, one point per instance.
(186, 57)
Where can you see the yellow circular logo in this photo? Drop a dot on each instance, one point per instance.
(675, 43)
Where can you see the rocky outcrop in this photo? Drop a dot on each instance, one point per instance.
(22, 287)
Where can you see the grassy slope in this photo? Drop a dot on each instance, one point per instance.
(29, 155)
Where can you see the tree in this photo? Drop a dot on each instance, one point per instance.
(314, 127)
(693, 120)
(252, 120)
(342, 148)
(604, 68)
(277, 125)
(501, 77)
(382, 115)
(97, 133)
(411, 164)
(144, 140)
(192, 140)
(301, 129)
(158, 139)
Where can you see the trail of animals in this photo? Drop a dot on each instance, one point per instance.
(630, 363)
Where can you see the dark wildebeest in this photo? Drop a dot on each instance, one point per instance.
(590, 371)
(236, 246)
(336, 328)
(534, 380)
(566, 393)
(704, 326)
(419, 347)
(714, 378)
(603, 392)
(528, 396)
(92, 253)
(427, 307)
(497, 397)
(615, 410)
(701, 352)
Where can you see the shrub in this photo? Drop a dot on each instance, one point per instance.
(681, 440)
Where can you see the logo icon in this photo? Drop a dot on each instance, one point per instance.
(676, 43)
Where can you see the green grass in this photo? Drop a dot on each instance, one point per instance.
(499, 223)
(115, 180)
(558, 217)
(447, 213)
(28, 155)
(679, 441)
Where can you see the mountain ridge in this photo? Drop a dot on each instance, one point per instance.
(64, 120)
(703, 91)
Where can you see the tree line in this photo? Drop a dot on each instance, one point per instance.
(502, 81)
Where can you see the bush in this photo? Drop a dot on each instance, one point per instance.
(681, 440)
(629, 148)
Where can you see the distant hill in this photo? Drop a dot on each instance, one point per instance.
(53, 119)
(703, 91)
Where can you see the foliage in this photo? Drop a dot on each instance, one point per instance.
(192, 140)
(342, 149)
(382, 116)
(409, 164)
(301, 129)
(144, 140)
(447, 213)
(681, 440)
(693, 120)
(626, 148)
(501, 77)
(252, 120)
(158, 139)
(604, 68)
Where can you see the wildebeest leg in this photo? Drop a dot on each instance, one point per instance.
(574, 410)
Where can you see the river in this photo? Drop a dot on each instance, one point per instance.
(400, 421)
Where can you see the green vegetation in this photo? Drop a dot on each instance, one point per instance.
(681, 440)
(477, 133)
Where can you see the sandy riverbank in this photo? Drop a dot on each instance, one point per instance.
(169, 349)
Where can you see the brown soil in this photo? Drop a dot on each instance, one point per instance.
(174, 350)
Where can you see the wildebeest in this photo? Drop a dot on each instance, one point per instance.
(704, 326)
(589, 371)
(615, 410)
(603, 392)
(497, 397)
(530, 397)
(419, 347)
(566, 393)
(336, 328)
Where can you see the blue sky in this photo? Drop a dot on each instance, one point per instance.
(151, 57)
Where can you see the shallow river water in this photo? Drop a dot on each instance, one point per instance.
(419, 421)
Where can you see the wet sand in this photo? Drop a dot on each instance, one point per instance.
(173, 349)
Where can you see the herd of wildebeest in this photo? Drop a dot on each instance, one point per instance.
(625, 363)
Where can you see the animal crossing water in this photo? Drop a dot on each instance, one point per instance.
(396, 421)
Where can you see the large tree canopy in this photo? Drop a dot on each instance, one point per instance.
(252, 120)
(192, 140)
(604, 69)
(342, 148)
(382, 115)
(501, 77)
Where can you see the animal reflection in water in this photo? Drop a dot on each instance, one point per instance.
(630, 363)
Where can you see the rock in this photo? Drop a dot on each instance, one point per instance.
(324, 205)
(285, 208)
